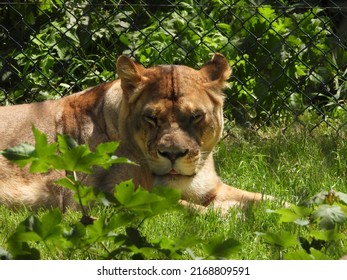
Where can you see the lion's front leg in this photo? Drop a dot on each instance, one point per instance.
(227, 197)
(191, 205)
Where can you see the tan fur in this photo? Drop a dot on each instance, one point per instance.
(168, 119)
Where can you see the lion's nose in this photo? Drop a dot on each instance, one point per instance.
(173, 155)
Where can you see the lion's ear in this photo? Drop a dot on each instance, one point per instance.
(217, 69)
(131, 76)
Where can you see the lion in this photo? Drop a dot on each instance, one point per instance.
(168, 119)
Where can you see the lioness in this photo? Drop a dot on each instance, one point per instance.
(168, 119)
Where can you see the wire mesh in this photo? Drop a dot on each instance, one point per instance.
(289, 57)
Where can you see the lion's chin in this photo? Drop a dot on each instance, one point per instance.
(173, 180)
(173, 173)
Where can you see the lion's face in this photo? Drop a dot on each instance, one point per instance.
(172, 114)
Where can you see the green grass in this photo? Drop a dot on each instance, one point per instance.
(292, 167)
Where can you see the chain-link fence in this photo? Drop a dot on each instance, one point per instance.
(289, 57)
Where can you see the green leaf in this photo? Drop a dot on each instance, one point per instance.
(45, 5)
(106, 148)
(19, 237)
(342, 196)
(43, 149)
(173, 248)
(82, 194)
(143, 202)
(170, 199)
(68, 182)
(327, 235)
(50, 225)
(24, 252)
(119, 220)
(104, 227)
(318, 255)
(299, 254)
(18, 241)
(328, 215)
(72, 157)
(33, 229)
(115, 159)
(224, 26)
(75, 235)
(267, 12)
(221, 248)
(124, 191)
(95, 231)
(124, 39)
(21, 154)
(43, 152)
(25, 231)
(85, 195)
(344, 209)
(295, 214)
(66, 143)
(302, 222)
(78, 158)
(284, 239)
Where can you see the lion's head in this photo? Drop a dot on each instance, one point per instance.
(172, 115)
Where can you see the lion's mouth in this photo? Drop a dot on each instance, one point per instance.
(174, 174)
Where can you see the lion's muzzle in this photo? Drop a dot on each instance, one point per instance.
(175, 154)
(172, 154)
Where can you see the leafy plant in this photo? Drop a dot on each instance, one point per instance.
(316, 227)
(114, 234)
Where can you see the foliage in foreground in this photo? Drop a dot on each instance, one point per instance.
(316, 227)
(113, 235)
(305, 232)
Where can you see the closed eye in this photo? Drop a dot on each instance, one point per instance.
(197, 117)
(150, 119)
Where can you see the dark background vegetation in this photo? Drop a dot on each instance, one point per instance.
(289, 57)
